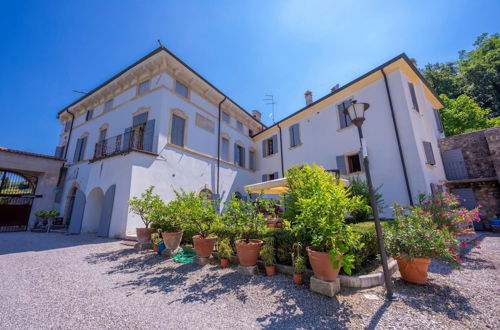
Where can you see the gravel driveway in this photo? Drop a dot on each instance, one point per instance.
(59, 281)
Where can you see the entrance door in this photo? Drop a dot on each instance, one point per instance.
(16, 198)
(76, 215)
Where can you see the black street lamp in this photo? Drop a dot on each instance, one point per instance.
(356, 112)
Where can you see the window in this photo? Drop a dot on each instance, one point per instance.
(181, 89)
(354, 163)
(294, 135)
(108, 105)
(226, 117)
(224, 149)
(270, 146)
(67, 125)
(205, 123)
(268, 177)
(177, 132)
(239, 155)
(439, 123)
(429, 154)
(345, 121)
(89, 115)
(251, 159)
(102, 134)
(250, 132)
(143, 87)
(239, 125)
(80, 149)
(413, 97)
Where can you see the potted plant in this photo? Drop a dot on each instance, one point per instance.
(155, 238)
(200, 219)
(317, 204)
(146, 207)
(224, 252)
(243, 218)
(414, 240)
(168, 220)
(268, 256)
(299, 266)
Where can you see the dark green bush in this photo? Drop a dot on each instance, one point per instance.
(358, 187)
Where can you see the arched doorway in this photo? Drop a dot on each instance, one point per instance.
(16, 198)
(92, 213)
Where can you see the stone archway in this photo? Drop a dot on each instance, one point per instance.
(92, 213)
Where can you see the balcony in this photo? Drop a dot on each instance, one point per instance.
(120, 144)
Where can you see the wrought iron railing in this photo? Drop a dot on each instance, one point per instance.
(455, 170)
(132, 140)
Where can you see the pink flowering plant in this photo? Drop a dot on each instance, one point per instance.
(414, 234)
(445, 212)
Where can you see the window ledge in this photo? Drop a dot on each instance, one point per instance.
(271, 155)
(295, 146)
(345, 128)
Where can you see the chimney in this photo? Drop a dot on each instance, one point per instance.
(309, 97)
(414, 61)
(334, 88)
(256, 114)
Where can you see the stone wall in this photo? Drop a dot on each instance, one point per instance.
(481, 152)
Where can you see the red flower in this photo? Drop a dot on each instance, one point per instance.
(457, 259)
(463, 245)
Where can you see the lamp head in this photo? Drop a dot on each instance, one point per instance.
(356, 112)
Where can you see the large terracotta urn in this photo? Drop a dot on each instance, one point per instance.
(322, 265)
(248, 253)
(414, 271)
(144, 234)
(204, 245)
(172, 240)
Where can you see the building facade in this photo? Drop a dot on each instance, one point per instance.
(160, 123)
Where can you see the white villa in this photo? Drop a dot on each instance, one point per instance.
(160, 123)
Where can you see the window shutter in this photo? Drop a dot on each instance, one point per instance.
(296, 135)
(275, 175)
(77, 150)
(251, 160)
(242, 156)
(438, 120)
(126, 138)
(341, 164)
(429, 154)
(264, 177)
(344, 120)
(140, 119)
(264, 154)
(290, 131)
(149, 132)
(236, 154)
(275, 144)
(177, 134)
(59, 152)
(102, 135)
(82, 150)
(413, 97)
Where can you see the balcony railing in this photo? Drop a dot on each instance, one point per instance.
(119, 144)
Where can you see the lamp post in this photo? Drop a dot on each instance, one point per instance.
(356, 113)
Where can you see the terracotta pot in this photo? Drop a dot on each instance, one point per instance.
(270, 270)
(144, 234)
(224, 263)
(172, 240)
(415, 271)
(155, 248)
(297, 278)
(322, 265)
(248, 253)
(204, 246)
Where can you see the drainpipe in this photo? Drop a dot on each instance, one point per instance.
(281, 153)
(403, 164)
(218, 145)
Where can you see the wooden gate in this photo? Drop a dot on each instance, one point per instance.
(16, 198)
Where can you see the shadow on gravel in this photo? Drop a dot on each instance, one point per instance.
(11, 242)
(434, 298)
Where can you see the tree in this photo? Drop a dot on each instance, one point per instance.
(475, 74)
(462, 115)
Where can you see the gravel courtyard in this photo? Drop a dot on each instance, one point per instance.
(59, 281)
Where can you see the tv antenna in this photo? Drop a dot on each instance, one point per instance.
(79, 91)
(269, 98)
(159, 41)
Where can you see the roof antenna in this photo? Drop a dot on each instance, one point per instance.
(270, 101)
(161, 45)
(79, 91)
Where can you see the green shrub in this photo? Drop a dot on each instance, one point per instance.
(224, 249)
(47, 213)
(299, 265)
(268, 252)
(316, 206)
(198, 213)
(358, 187)
(149, 207)
(242, 217)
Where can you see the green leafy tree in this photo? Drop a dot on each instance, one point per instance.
(462, 115)
(149, 207)
(359, 187)
(443, 78)
(243, 217)
(197, 212)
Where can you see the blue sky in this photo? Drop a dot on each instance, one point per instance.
(246, 48)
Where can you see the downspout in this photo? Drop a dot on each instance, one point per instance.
(218, 145)
(281, 153)
(403, 164)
